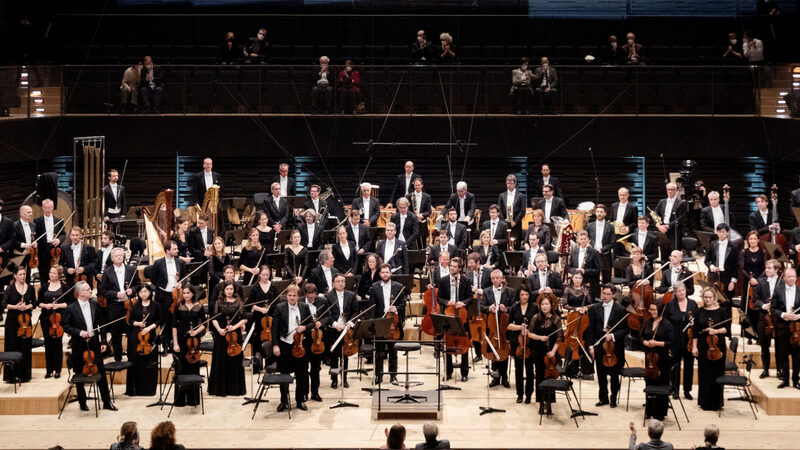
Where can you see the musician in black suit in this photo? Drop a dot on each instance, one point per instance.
(382, 294)
(544, 280)
(672, 211)
(480, 277)
(497, 228)
(51, 225)
(104, 253)
(497, 296)
(393, 251)
(404, 184)
(315, 203)
(284, 326)
(343, 307)
(77, 258)
(420, 204)
(464, 204)
(602, 317)
(455, 230)
(674, 273)
(25, 236)
(546, 178)
(407, 225)
(114, 196)
(322, 275)
(311, 231)
(277, 208)
(512, 206)
(761, 220)
(443, 246)
(80, 320)
(713, 214)
(200, 237)
(287, 184)
(601, 235)
(203, 180)
(584, 259)
(370, 207)
(785, 303)
(118, 283)
(762, 297)
(321, 321)
(358, 232)
(552, 205)
(455, 289)
(624, 211)
(722, 260)
(164, 275)
(6, 234)
(644, 239)
(795, 198)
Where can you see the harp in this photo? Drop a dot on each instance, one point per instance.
(158, 224)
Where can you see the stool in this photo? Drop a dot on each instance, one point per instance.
(112, 369)
(631, 373)
(76, 378)
(206, 346)
(407, 397)
(270, 380)
(563, 386)
(9, 361)
(188, 381)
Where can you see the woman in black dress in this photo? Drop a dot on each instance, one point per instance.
(576, 294)
(638, 270)
(707, 324)
(219, 259)
(188, 321)
(263, 292)
(252, 256)
(20, 301)
(227, 372)
(266, 235)
(52, 300)
(370, 275)
(145, 316)
(490, 256)
(546, 332)
(541, 229)
(296, 258)
(181, 238)
(680, 312)
(519, 318)
(752, 262)
(655, 338)
(345, 258)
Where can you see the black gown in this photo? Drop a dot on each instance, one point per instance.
(267, 239)
(227, 372)
(709, 395)
(184, 320)
(366, 282)
(250, 258)
(142, 378)
(53, 347)
(681, 350)
(184, 250)
(544, 326)
(256, 295)
(13, 343)
(216, 274)
(657, 407)
(526, 378)
(296, 263)
(574, 298)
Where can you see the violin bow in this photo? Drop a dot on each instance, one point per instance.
(253, 278)
(611, 329)
(395, 299)
(347, 326)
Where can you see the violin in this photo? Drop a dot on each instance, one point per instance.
(177, 297)
(25, 330)
(234, 348)
(713, 353)
(102, 301)
(317, 346)
(496, 333)
(651, 365)
(769, 325)
(431, 307)
(128, 306)
(609, 356)
(89, 366)
(34, 252)
(394, 330)
(298, 351)
(55, 255)
(523, 351)
(266, 328)
(550, 368)
(79, 277)
(56, 331)
(689, 332)
(192, 349)
(350, 344)
(144, 347)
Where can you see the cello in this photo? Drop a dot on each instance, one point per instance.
(460, 344)
(431, 307)
(496, 333)
(641, 298)
(577, 324)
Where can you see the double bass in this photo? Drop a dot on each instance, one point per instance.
(431, 307)
(460, 344)
(497, 327)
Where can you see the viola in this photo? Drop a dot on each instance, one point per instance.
(144, 347)
(431, 307)
(609, 356)
(394, 331)
(460, 344)
(34, 252)
(102, 301)
(25, 330)
(350, 344)
(794, 330)
(89, 365)
(577, 324)
(298, 351)
(55, 255)
(55, 331)
(713, 353)
(651, 365)
(128, 306)
(317, 346)
(642, 298)
(523, 351)
(234, 348)
(550, 367)
(79, 277)
(192, 349)
(177, 297)
(769, 325)
(497, 326)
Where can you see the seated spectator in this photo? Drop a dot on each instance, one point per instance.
(163, 437)
(128, 438)
(129, 89)
(734, 54)
(256, 51)
(634, 52)
(711, 436)
(421, 49)
(431, 432)
(546, 81)
(322, 92)
(753, 49)
(446, 55)
(655, 429)
(228, 53)
(349, 88)
(521, 91)
(613, 54)
(395, 437)
(150, 88)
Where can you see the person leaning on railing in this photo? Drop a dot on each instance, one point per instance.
(129, 88)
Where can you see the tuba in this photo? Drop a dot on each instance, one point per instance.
(158, 224)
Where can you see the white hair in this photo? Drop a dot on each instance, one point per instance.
(461, 185)
(366, 185)
(324, 58)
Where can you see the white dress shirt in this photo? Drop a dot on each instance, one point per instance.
(642, 238)
(284, 181)
(790, 291)
(172, 271)
(209, 179)
(340, 300)
(345, 249)
(453, 288)
(106, 251)
(204, 234)
(621, 211)
(492, 228)
(26, 228)
(418, 201)
(76, 254)
(581, 256)
(365, 202)
(277, 201)
(548, 205)
(120, 273)
(598, 235)
(48, 227)
(542, 278)
(355, 234)
(328, 277)
(388, 250)
(668, 210)
(510, 195)
(461, 213)
(452, 226)
(294, 316)
(311, 229)
(315, 204)
(387, 296)
(115, 193)
(408, 182)
(718, 215)
(86, 311)
(722, 248)
(772, 282)
(400, 228)
(607, 313)
(675, 274)
(498, 292)
(764, 216)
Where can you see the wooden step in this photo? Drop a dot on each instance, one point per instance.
(36, 397)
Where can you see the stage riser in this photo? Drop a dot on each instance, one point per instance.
(32, 405)
(776, 406)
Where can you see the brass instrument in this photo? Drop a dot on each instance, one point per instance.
(385, 216)
(656, 218)
(478, 219)
(210, 207)
(94, 156)
(619, 227)
(431, 222)
(323, 212)
(527, 219)
(158, 224)
(627, 244)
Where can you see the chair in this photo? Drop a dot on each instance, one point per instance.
(742, 384)
(112, 369)
(689, 245)
(75, 378)
(563, 386)
(659, 390)
(631, 373)
(259, 198)
(406, 347)
(270, 378)
(9, 361)
(620, 266)
(185, 382)
(730, 366)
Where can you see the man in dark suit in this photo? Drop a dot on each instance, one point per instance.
(675, 272)
(203, 180)
(310, 232)
(539, 183)
(464, 204)
(6, 234)
(584, 259)
(602, 317)
(785, 303)
(545, 83)
(369, 207)
(80, 320)
(382, 294)
(763, 295)
(393, 251)
(480, 277)
(358, 232)
(722, 260)
(497, 296)
(442, 246)
(343, 307)
(420, 205)
(456, 290)
(644, 239)
(672, 211)
(761, 220)
(406, 223)
(315, 203)
(200, 238)
(24, 231)
(552, 205)
(626, 213)
(601, 236)
(795, 198)
(431, 432)
(544, 280)
(404, 184)
(713, 214)
(164, 275)
(455, 230)
(114, 195)
(53, 227)
(287, 184)
(277, 208)
(497, 228)
(118, 283)
(322, 275)
(104, 253)
(421, 49)
(321, 320)
(284, 327)
(77, 258)
(512, 206)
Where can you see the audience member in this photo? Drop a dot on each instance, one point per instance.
(395, 437)
(634, 52)
(228, 53)
(521, 91)
(613, 54)
(711, 436)
(421, 49)
(322, 92)
(150, 89)
(129, 89)
(655, 429)
(546, 80)
(734, 54)
(753, 49)
(349, 88)
(56, 447)
(431, 432)
(128, 438)
(256, 51)
(163, 437)
(446, 55)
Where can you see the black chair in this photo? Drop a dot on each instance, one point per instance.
(730, 366)
(112, 369)
(631, 373)
(75, 378)
(620, 266)
(689, 245)
(9, 362)
(742, 384)
(270, 378)
(665, 391)
(563, 386)
(185, 382)
(407, 347)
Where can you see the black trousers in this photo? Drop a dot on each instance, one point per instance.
(164, 300)
(764, 342)
(299, 367)
(381, 349)
(785, 350)
(502, 369)
(603, 373)
(115, 310)
(464, 364)
(77, 364)
(315, 365)
(336, 355)
(685, 358)
(525, 379)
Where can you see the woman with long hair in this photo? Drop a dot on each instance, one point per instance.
(187, 323)
(52, 300)
(227, 371)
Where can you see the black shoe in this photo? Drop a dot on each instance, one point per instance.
(477, 358)
(796, 385)
(109, 406)
(675, 395)
(84, 407)
(495, 382)
(344, 383)
(601, 403)
(506, 385)
(549, 411)
(282, 407)
(541, 408)
(464, 379)
(57, 375)
(527, 400)
(302, 406)
(783, 384)
(393, 379)
(688, 396)
(378, 380)
(613, 403)
(448, 377)
(764, 374)
(588, 377)
(48, 375)
(519, 399)
(334, 384)
(316, 397)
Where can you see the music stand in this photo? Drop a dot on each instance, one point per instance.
(351, 282)
(515, 282)
(282, 238)
(370, 329)
(276, 261)
(514, 261)
(328, 236)
(281, 285)
(447, 325)
(489, 374)
(705, 238)
(406, 280)
(296, 201)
